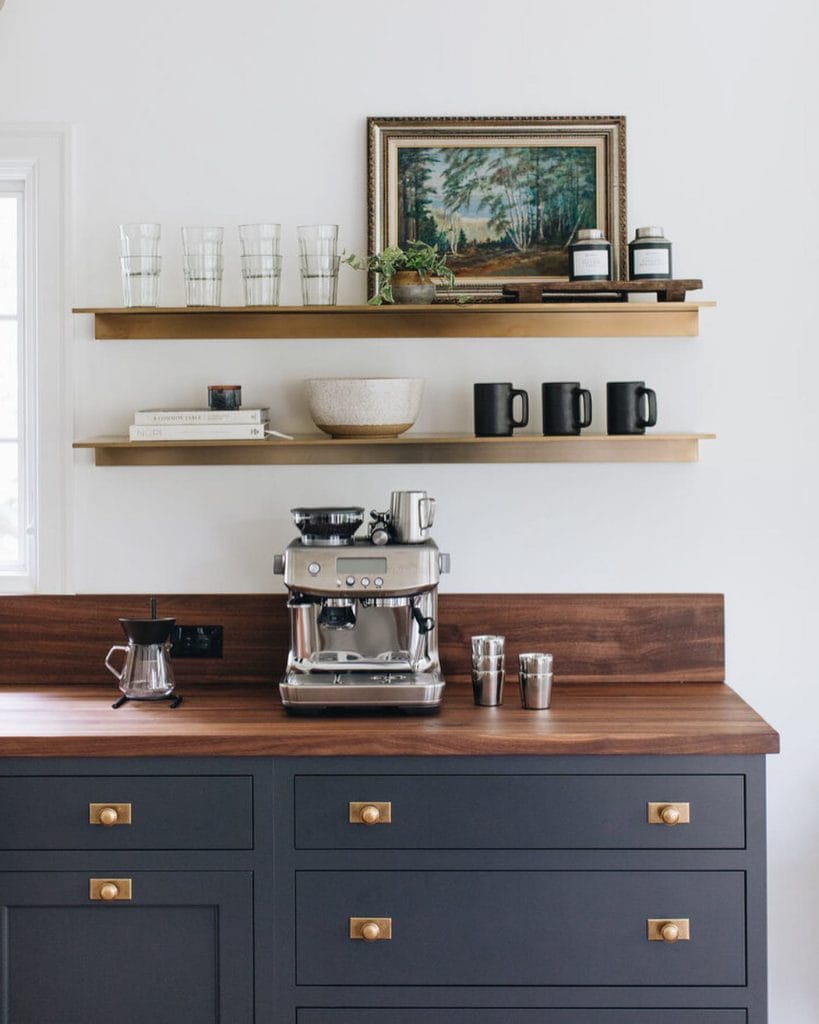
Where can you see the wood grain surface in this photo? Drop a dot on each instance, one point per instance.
(504, 320)
(318, 449)
(594, 637)
(616, 718)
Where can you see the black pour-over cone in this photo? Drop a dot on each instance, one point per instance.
(147, 631)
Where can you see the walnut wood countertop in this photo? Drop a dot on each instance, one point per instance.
(585, 718)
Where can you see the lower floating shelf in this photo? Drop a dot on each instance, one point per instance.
(316, 449)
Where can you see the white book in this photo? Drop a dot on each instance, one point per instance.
(197, 432)
(183, 417)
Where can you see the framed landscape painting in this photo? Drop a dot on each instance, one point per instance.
(503, 198)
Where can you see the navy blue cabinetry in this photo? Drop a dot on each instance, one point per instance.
(502, 890)
(523, 890)
(148, 919)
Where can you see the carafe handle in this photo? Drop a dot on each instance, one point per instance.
(426, 512)
(110, 667)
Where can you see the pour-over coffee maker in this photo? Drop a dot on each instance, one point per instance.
(146, 673)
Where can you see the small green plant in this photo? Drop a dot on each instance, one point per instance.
(424, 259)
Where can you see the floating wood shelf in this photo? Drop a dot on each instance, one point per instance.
(314, 449)
(481, 320)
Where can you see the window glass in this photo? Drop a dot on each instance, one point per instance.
(8, 380)
(9, 206)
(9, 510)
(11, 551)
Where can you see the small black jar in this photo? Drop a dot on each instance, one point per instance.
(649, 256)
(590, 256)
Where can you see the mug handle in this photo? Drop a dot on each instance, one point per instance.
(582, 394)
(110, 667)
(652, 408)
(426, 512)
(524, 415)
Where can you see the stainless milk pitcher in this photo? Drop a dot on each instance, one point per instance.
(147, 673)
(411, 516)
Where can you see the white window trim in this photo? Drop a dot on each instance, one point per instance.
(39, 155)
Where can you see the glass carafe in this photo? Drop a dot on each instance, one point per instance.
(147, 673)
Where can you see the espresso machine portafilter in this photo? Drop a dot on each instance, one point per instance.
(363, 616)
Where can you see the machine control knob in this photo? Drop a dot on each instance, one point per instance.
(278, 565)
(378, 581)
(314, 568)
(444, 563)
(365, 581)
(350, 581)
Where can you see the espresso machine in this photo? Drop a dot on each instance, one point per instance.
(363, 612)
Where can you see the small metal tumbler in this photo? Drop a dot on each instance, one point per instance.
(487, 687)
(488, 665)
(535, 680)
(491, 646)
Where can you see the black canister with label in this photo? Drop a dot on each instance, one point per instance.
(590, 256)
(649, 256)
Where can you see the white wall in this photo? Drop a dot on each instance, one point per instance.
(204, 112)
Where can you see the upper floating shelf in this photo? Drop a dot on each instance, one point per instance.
(481, 320)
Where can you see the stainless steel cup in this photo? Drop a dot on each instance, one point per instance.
(488, 663)
(535, 680)
(487, 687)
(411, 515)
(488, 646)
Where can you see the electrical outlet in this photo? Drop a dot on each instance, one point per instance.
(196, 642)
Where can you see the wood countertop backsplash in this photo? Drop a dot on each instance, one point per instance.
(595, 638)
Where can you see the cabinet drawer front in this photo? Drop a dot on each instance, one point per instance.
(520, 812)
(520, 927)
(167, 813)
(423, 1015)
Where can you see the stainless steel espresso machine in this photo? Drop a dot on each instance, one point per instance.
(363, 612)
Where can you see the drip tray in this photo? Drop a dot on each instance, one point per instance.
(362, 689)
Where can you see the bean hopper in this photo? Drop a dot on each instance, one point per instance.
(363, 613)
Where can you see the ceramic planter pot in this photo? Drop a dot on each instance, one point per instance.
(407, 286)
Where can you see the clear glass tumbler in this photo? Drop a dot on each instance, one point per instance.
(202, 241)
(140, 280)
(203, 280)
(261, 276)
(260, 239)
(139, 239)
(319, 280)
(203, 265)
(317, 239)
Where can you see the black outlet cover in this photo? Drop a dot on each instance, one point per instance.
(196, 642)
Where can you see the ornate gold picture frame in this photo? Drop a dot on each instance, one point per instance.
(503, 197)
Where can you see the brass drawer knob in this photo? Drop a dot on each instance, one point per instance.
(109, 889)
(668, 813)
(664, 929)
(371, 929)
(369, 812)
(109, 814)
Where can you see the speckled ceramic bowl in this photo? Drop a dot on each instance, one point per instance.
(364, 406)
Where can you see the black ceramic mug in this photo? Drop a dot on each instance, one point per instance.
(624, 407)
(494, 409)
(567, 408)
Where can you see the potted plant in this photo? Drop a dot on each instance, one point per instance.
(405, 275)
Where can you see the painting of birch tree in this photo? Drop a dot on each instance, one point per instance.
(497, 211)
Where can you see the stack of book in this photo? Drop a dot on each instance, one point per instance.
(199, 425)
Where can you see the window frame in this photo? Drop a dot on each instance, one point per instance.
(38, 157)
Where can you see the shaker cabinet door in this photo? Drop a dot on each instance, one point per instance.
(180, 949)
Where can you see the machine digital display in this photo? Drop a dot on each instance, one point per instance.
(375, 566)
